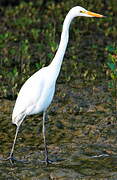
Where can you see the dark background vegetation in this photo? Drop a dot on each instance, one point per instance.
(30, 33)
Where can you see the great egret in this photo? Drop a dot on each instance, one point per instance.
(37, 92)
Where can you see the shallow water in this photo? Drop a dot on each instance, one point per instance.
(81, 136)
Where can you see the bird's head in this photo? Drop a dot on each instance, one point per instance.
(79, 11)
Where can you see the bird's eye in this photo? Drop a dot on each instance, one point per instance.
(82, 11)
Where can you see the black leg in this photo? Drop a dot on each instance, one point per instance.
(44, 137)
(11, 158)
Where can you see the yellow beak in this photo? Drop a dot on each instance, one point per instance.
(94, 14)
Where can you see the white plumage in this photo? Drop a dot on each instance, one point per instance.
(37, 92)
(35, 95)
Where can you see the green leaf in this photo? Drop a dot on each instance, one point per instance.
(110, 48)
(110, 84)
(111, 66)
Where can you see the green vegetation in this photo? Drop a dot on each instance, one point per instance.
(29, 37)
(112, 74)
(112, 65)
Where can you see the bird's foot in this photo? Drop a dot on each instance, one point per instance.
(49, 161)
(9, 158)
(46, 161)
(12, 159)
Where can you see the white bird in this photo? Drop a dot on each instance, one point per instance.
(37, 92)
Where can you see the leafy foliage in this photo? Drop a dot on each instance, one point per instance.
(112, 68)
(30, 34)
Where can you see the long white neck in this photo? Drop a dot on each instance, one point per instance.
(57, 61)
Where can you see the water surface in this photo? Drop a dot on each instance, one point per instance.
(81, 136)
